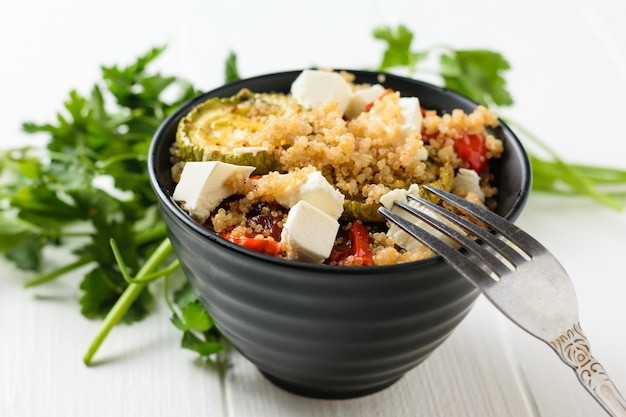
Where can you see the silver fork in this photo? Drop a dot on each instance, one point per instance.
(518, 275)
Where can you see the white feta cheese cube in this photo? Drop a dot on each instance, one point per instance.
(361, 98)
(412, 114)
(308, 234)
(398, 194)
(468, 181)
(401, 238)
(313, 87)
(317, 191)
(202, 186)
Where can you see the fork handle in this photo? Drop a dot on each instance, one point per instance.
(573, 348)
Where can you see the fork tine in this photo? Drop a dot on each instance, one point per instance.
(490, 261)
(510, 254)
(521, 239)
(456, 259)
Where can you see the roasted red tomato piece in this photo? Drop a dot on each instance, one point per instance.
(356, 244)
(472, 149)
(267, 246)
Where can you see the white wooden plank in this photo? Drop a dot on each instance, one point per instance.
(140, 370)
(469, 375)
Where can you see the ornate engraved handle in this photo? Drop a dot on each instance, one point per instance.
(573, 348)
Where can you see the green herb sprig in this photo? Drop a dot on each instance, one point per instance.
(54, 197)
(480, 75)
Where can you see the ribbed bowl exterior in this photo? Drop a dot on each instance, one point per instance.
(331, 332)
(323, 331)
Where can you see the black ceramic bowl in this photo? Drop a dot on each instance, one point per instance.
(328, 331)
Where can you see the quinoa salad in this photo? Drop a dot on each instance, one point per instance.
(301, 175)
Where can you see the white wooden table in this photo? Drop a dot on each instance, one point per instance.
(569, 83)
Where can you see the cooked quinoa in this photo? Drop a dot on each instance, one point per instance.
(364, 158)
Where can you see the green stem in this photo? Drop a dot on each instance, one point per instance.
(602, 175)
(157, 232)
(127, 298)
(166, 294)
(611, 181)
(56, 234)
(145, 279)
(52, 275)
(174, 265)
(569, 173)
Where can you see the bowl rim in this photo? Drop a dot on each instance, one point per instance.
(173, 208)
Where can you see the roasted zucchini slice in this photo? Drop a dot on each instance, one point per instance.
(445, 181)
(356, 210)
(217, 129)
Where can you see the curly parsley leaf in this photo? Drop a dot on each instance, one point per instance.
(15, 232)
(398, 52)
(202, 347)
(28, 254)
(102, 289)
(231, 73)
(199, 333)
(99, 289)
(477, 74)
(194, 317)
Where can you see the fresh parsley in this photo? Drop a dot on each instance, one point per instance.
(199, 333)
(88, 190)
(231, 73)
(480, 75)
